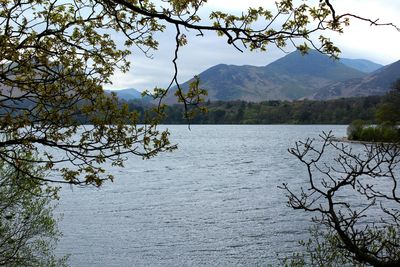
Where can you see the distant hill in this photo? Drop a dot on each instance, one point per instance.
(363, 65)
(313, 64)
(292, 77)
(377, 83)
(126, 94)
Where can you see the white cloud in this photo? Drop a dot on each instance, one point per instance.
(360, 39)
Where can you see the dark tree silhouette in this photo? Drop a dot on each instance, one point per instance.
(353, 193)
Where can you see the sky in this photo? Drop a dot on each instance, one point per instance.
(380, 44)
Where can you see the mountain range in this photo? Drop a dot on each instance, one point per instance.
(126, 94)
(296, 76)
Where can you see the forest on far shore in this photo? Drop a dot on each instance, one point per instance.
(337, 111)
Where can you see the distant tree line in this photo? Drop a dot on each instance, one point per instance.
(338, 111)
(387, 121)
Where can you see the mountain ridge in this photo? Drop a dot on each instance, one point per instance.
(289, 78)
(126, 94)
(363, 65)
(378, 82)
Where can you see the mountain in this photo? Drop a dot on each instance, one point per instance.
(313, 64)
(126, 94)
(229, 82)
(363, 65)
(377, 83)
(291, 77)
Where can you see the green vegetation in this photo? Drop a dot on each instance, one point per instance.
(388, 112)
(323, 249)
(388, 118)
(28, 229)
(339, 111)
(360, 131)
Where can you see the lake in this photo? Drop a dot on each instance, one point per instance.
(212, 202)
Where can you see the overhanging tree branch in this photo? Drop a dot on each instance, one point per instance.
(344, 195)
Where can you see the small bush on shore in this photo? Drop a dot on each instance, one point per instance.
(359, 131)
(354, 130)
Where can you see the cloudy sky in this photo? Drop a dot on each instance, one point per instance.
(360, 40)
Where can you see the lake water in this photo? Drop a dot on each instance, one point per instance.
(212, 202)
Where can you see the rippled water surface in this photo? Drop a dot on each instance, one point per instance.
(212, 202)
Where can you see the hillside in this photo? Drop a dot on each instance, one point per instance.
(313, 64)
(376, 83)
(291, 77)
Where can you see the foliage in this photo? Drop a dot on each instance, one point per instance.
(380, 133)
(387, 115)
(28, 229)
(388, 112)
(354, 129)
(323, 249)
(57, 55)
(353, 196)
(339, 111)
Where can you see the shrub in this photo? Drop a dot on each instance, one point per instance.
(357, 130)
(354, 129)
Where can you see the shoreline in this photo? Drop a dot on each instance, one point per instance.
(346, 140)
